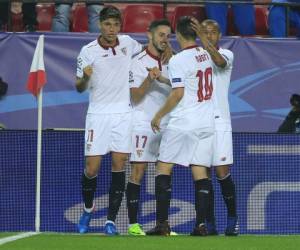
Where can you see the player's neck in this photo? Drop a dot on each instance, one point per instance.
(106, 43)
(153, 51)
(187, 44)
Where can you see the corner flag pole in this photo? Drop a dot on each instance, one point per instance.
(35, 83)
(39, 163)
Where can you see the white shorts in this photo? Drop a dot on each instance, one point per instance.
(145, 145)
(186, 147)
(108, 132)
(222, 149)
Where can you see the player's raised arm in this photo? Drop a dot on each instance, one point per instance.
(205, 37)
(82, 83)
(137, 93)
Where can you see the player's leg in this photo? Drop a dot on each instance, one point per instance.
(228, 192)
(89, 185)
(133, 197)
(202, 195)
(116, 191)
(120, 146)
(163, 198)
(223, 158)
(96, 145)
(201, 162)
(210, 215)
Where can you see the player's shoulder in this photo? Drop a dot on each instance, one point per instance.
(125, 39)
(88, 48)
(141, 57)
(226, 52)
(91, 45)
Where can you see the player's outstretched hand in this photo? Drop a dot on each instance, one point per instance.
(88, 71)
(155, 123)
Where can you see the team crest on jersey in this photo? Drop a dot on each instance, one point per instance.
(124, 51)
(139, 152)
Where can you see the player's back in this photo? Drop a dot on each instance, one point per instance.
(192, 69)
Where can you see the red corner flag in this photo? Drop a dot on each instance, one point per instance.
(37, 75)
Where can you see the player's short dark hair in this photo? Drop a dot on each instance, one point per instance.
(184, 27)
(110, 12)
(153, 25)
(211, 22)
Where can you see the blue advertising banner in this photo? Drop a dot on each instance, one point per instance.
(266, 173)
(265, 74)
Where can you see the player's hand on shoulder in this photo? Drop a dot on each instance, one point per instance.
(88, 71)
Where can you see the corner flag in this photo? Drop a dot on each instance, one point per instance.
(37, 76)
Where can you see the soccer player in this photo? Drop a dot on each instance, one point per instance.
(102, 68)
(149, 87)
(188, 138)
(222, 147)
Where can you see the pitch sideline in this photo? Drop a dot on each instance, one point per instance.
(16, 237)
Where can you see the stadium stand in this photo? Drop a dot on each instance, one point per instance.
(188, 10)
(261, 21)
(45, 12)
(79, 19)
(136, 17)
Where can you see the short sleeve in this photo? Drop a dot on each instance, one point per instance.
(83, 60)
(176, 74)
(228, 56)
(137, 74)
(136, 47)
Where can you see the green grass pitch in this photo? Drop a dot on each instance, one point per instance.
(51, 241)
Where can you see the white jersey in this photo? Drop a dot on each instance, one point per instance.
(155, 97)
(108, 86)
(192, 69)
(221, 81)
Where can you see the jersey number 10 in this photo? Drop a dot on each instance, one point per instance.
(205, 76)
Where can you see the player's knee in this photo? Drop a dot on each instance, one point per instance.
(137, 174)
(90, 173)
(136, 177)
(119, 161)
(222, 172)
